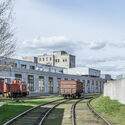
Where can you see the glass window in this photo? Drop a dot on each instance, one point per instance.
(50, 84)
(32, 67)
(31, 82)
(39, 59)
(18, 76)
(41, 83)
(88, 81)
(66, 78)
(23, 66)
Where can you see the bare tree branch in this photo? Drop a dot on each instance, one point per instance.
(7, 42)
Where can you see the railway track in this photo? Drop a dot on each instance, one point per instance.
(76, 112)
(86, 114)
(36, 115)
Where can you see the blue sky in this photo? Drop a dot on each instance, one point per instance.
(93, 30)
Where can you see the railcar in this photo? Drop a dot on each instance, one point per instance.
(4, 87)
(71, 88)
(14, 89)
(18, 89)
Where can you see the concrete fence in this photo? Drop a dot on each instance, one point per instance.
(115, 89)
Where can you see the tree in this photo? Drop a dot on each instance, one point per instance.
(7, 42)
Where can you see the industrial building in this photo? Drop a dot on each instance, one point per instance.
(44, 79)
(58, 58)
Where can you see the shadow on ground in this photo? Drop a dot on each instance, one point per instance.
(55, 118)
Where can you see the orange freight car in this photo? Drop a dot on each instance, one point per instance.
(71, 88)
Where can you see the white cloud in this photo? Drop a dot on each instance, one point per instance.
(102, 55)
(60, 43)
(97, 45)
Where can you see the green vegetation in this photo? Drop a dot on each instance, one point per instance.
(13, 108)
(112, 110)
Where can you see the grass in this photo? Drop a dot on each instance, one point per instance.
(112, 110)
(7, 111)
(13, 108)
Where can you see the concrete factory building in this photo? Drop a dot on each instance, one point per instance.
(58, 58)
(44, 79)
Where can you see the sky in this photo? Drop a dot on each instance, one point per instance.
(93, 30)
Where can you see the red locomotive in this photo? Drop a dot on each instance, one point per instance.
(15, 89)
(18, 89)
(4, 87)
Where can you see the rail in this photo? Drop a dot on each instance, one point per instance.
(97, 114)
(73, 112)
(27, 111)
(48, 112)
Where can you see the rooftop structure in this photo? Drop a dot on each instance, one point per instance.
(58, 58)
(83, 71)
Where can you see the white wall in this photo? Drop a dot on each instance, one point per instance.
(115, 90)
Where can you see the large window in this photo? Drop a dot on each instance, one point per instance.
(58, 79)
(23, 66)
(50, 84)
(32, 67)
(18, 76)
(40, 59)
(57, 60)
(31, 82)
(66, 78)
(41, 83)
(14, 65)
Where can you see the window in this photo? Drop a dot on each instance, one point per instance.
(18, 76)
(46, 58)
(14, 65)
(83, 81)
(40, 59)
(31, 82)
(66, 78)
(50, 84)
(57, 60)
(43, 59)
(23, 66)
(50, 58)
(92, 82)
(41, 83)
(32, 67)
(64, 60)
(88, 81)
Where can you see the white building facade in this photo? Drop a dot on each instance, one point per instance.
(83, 71)
(58, 58)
